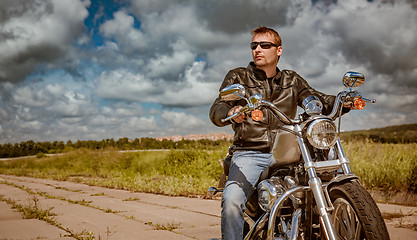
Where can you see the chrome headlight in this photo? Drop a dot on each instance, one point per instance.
(322, 133)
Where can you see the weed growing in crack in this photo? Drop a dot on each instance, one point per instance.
(33, 210)
(98, 194)
(131, 199)
(84, 235)
(167, 227)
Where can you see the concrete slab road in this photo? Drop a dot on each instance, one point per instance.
(78, 211)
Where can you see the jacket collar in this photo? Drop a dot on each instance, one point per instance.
(261, 73)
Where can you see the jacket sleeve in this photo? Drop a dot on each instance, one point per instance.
(304, 90)
(220, 108)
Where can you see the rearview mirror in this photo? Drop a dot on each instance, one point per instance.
(232, 92)
(353, 79)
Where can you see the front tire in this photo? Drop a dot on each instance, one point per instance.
(356, 215)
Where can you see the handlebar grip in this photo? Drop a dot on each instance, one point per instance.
(231, 116)
(242, 110)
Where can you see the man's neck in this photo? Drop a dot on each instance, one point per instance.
(270, 71)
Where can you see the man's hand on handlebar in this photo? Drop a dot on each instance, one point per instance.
(239, 118)
(348, 104)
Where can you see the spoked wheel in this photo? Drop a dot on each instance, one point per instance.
(356, 215)
(346, 221)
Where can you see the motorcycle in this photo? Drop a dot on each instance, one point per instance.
(311, 192)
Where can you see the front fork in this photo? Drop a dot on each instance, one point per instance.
(323, 201)
(321, 196)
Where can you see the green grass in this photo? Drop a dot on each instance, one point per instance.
(168, 227)
(32, 211)
(390, 167)
(175, 172)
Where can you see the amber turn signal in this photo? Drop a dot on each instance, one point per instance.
(257, 115)
(359, 103)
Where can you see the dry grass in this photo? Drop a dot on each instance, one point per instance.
(388, 170)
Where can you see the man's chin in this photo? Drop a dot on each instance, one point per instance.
(259, 64)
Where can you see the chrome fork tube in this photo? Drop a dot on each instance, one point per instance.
(343, 158)
(317, 189)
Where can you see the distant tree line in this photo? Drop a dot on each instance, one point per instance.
(394, 134)
(380, 139)
(31, 148)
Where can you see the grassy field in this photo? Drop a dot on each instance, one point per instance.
(384, 166)
(387, 167)
(173, 172)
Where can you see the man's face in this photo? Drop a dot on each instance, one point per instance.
(265, 58)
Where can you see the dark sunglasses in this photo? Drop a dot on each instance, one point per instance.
(264, 45)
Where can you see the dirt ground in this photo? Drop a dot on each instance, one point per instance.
(78, 211)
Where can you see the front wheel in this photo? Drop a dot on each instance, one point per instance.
(356, 215)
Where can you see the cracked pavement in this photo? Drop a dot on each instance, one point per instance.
(79, 211)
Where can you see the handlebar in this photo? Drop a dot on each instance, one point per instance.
(369, 100)
(256, 103)
(281, 116)
(250, 107)
(336, 106)
(244, 109)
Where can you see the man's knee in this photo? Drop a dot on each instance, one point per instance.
(233, 197)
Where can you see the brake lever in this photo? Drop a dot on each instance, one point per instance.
(242, 110)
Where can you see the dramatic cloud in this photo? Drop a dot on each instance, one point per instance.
(122, 30)
(37, 32)
(190, 90)
(75, 69)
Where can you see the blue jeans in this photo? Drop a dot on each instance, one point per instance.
(245, 170)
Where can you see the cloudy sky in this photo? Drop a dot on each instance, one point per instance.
(97, 69)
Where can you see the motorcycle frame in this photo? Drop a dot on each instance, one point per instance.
(316, 187)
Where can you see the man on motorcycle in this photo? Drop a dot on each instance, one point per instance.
(253, 139)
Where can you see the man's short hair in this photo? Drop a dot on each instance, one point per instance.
(266, 30)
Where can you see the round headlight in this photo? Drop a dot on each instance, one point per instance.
(322, 133)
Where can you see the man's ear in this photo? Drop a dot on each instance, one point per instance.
(279, 51)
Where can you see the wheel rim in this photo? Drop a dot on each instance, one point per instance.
(346, 221)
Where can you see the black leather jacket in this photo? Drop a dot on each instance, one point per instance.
(286, 90)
